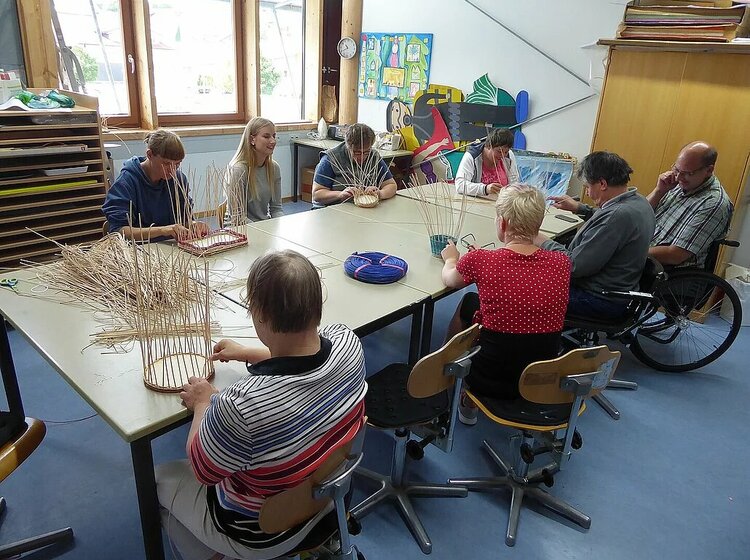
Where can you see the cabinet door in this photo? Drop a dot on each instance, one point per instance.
(637, 108)
(714, 105)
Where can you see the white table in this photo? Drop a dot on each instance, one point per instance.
(556, 222)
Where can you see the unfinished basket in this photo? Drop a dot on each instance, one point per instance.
(366, 200)
(215, 242)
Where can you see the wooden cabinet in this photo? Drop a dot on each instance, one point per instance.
(51, 180)
(658, 96)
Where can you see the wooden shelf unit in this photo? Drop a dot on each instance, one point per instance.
(64, 207)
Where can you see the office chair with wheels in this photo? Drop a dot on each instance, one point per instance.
(14, 452)
(331, 482)
(422, 399)
(553, 396)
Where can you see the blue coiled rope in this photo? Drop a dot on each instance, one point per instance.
(375, 268)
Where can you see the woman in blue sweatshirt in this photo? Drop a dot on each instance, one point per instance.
(150, 200)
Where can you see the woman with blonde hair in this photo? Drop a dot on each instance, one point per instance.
(521, 300)
(253, 185)
(150, 198)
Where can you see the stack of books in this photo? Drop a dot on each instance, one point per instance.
(676, 20)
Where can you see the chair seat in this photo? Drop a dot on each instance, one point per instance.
(523, 412)
(388, 404)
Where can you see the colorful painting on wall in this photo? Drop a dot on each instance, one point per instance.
(394, 65)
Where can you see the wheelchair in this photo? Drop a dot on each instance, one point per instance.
(672, 324)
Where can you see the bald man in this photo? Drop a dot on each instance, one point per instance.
(691, 207)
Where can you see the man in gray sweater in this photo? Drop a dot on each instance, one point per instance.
(610, 250)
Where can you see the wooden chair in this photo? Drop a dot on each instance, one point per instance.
(421, 399)
(329, 483)
(553, 396)
(12, 454)
(218, 213)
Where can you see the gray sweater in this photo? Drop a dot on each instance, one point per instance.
(610, 250)
(267, 204)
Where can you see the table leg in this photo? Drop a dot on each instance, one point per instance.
(429, 311)
(416, 334)
(8, 369)
(295, 171)
(148, 502)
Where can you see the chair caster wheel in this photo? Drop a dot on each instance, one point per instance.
(527, 453)
(414, 450)
(577, 440)
(547, 478)
(353, 525)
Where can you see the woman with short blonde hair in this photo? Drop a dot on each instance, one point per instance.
(521, 298)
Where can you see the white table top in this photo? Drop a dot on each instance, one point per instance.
(485, 206)
(404, 213)
(328, 143)
(351, 302)
(339, 234)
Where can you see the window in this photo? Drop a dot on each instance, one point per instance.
(194, 51)
(92, 58)
(201, 61)
(281, 71)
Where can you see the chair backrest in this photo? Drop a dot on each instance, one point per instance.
(541, 382)
(427, 377)
(17, 450)
(219, 213)
(296, 505)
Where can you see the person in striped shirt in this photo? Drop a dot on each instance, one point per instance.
(692, 208)
(302, 398)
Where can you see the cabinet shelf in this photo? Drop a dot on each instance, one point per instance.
(58, 206)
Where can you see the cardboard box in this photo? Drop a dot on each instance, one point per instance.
(739, 278)
(10, 85)
(307, 174)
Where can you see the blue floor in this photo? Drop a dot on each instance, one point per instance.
(668, 481)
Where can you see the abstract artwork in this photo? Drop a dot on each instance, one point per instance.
(394, 65)
(549, 172)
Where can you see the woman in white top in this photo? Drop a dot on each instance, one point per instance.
(486, 168)
(253, 185)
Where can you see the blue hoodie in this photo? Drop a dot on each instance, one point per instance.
(153, 204)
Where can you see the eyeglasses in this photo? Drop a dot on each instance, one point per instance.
(470, 242)
(687, 173)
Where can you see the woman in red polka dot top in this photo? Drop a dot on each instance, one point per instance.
(523, 294)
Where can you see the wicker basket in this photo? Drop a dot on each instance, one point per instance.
(366, 200)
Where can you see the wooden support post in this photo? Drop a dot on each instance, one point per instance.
(351, 26)
(144, 65)
(40, 52)
(251, 42)
(313, 58)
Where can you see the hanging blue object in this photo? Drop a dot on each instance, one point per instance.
(375, 268)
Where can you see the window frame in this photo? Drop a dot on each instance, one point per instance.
(183, 119)
(141, 87)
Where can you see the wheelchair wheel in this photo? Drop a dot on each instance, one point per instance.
(687, 332)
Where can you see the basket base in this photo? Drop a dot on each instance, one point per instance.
(177, 363)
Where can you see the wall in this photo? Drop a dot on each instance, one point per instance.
(468, 44)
